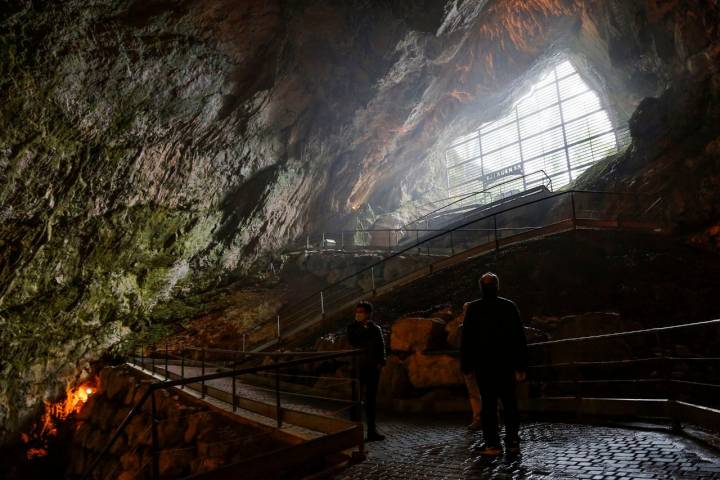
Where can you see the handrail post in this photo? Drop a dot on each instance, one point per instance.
(574, 215)
(322, 245)
(277, 397)
(667, 382)
(372, 276)
(142, 355)
(155, 445)
(202, 373)
(234, 394)
(152, 363)
(182, 365)
(452, 244)
(323, 327)
(495, 230)
(576, 385)
(307, 242)
(278, 326)
(342, 239)
(167, 354)
(389, 241)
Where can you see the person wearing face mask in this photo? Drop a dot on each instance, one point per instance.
(366, 335)
(494, 349)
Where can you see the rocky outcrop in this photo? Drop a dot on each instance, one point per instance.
(414, 365)
(417, 334)
(394, 379)
(432, 371)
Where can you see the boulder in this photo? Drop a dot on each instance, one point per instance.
(119, 415)
(418, 334)
(453, 331)
(394, 379)
(444, 312)
(171, 432)
(137, 431)
(103, 379)
(196, 423)
(115, 382)
(130, 461)
(176, 463)
(708, 239)
(426, 371)
(104, 415)
(119, 447)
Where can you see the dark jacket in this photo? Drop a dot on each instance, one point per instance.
(369, 339)
(493, 338)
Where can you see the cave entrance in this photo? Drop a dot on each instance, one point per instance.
(551, 136)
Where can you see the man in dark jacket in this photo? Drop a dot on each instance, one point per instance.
(494, 349)
(366, 335)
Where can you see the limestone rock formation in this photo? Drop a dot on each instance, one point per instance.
(394, 380)
(427, 371)
(417, 334)
(453, 331)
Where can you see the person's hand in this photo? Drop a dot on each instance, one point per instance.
(520, 376)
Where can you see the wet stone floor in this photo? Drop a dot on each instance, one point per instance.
(441, 448)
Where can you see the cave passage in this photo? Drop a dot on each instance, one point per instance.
(247, 239)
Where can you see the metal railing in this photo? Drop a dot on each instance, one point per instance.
(452, 209)
(491, 197)
(673, 364)
(552, 214)
(224, 362)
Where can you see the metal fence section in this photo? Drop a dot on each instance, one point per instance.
(560, 126)
(671, 372)
(461, 206)
(556, 213)
(435, 217)
(269, 396)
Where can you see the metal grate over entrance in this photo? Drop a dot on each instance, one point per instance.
(560, 128)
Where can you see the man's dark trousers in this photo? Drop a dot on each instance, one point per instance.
(499, 385)
(369, 380)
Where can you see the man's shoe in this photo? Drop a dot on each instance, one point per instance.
(490, 451)
(475, 426)
(374, 437)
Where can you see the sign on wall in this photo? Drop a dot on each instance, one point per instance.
(491, 177)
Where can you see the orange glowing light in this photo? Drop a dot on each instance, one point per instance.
(75, 398)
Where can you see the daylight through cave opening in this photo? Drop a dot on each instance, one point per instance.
(550, 137)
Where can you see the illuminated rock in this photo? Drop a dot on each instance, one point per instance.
(417, 334)
(427, 371)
